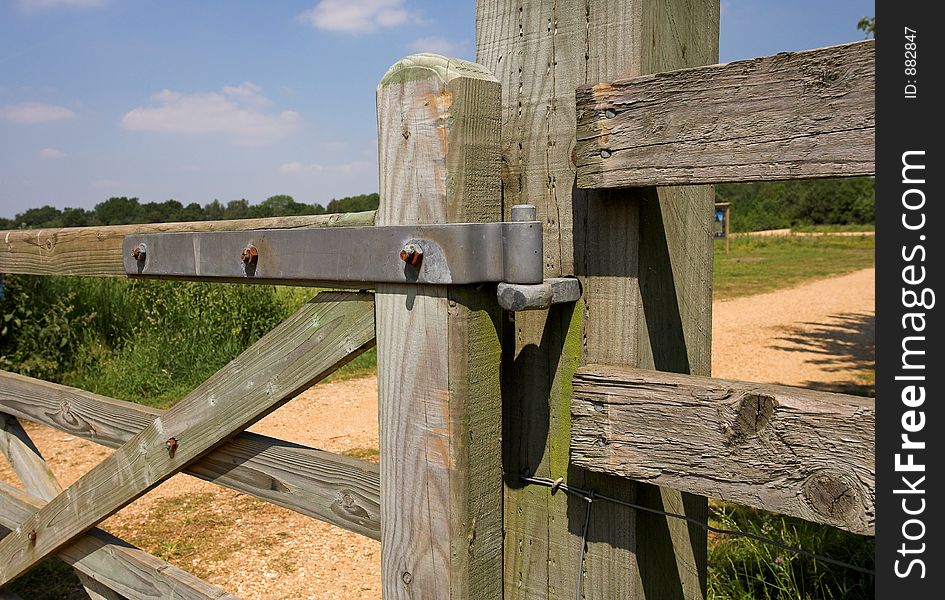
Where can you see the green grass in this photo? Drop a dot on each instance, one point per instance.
(744, 569)
(766, 264)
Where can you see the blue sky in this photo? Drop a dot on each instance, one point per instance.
(228, 99)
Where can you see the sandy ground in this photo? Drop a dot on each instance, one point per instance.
(818, 335)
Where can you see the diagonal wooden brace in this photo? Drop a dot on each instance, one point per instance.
(323, 335)
(104, 561)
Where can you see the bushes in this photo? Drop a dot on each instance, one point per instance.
(145, 341)
(782, 204)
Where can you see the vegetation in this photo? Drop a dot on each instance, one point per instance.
(763, 264)
(744, 569)
(784, 204)
(124, 211)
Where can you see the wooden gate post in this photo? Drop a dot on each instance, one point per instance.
(644, 258)
(439, 347)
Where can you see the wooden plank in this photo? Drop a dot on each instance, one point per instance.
(794, 115)
(316, 340)
(38, 479)
(108, 563)
(97, 251)
(337, 489)
(26, 460)
(541, 52)
(799, 452)
(439, 348)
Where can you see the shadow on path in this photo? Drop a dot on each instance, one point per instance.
(845, 343)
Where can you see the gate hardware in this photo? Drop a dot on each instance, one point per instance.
(452, 254)
(557, 290)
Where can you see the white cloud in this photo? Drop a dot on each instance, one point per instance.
(29, 113)
(297, 168)
(235, 112)
(437, 45)
(248, 92)
(41, 5)
(52, 153)
(357, 16)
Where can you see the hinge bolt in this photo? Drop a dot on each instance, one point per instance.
(140, 252)
(412, 254)
(249, 255)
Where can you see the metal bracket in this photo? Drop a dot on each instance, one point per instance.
(558, 290)
(454, 254)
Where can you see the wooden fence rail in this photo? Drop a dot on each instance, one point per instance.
(105, 559)
(789, 116)
(340, 490)
(794, 451)
(321, 336)
(97, 251)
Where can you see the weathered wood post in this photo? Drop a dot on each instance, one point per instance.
(439, 347)
(644, 257)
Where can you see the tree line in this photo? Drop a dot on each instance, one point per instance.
(125, 211)
(755, 206)
(784, 204)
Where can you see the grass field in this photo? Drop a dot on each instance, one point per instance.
(766, 264)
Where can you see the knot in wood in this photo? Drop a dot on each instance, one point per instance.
(753, 414)
(830, 496)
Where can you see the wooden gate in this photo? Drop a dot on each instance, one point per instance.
(608, 394)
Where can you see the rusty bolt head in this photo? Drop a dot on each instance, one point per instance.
(412, 254)
(250, 255)
(32, 536)
(139, 252)
(171, 445)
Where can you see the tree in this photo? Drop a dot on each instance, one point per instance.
(868, 26)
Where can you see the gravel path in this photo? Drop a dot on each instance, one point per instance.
(818, 335)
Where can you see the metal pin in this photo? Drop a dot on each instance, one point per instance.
(250, 255)
(171, 445)
(524, 212)
(412, 254)
(140, 252)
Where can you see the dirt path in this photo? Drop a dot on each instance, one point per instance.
(817, 335)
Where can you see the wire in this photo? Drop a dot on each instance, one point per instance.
(591, 496)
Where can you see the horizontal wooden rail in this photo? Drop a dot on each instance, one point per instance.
(790, 116)
(127, 570)
(337, 489)
(97, 251)
(793, 451)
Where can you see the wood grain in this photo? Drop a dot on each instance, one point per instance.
(316, 340)
(97, 251)
(107, 562)
(794, 115)
(541, 52)
(794, 451)
(439, 347)
(26, 460)
(337, 489)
